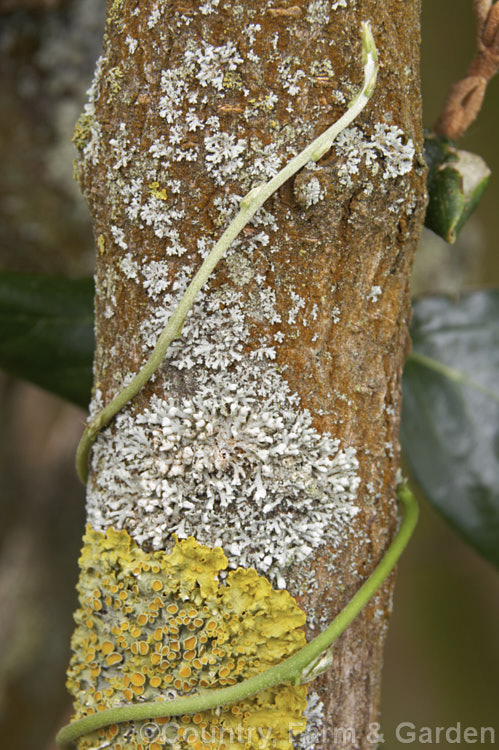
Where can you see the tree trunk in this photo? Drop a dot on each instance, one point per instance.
(271, 430)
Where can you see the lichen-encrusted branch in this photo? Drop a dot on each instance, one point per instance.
(249, 206)
(300, 667)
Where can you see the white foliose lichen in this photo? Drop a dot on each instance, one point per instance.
(314, 731)
(91, 150)
(213, 63)
(298, 304)
(230, 468)
(154, 17)
(223, 156)
(142, 193)
(148, 206)
(311, 192)
(318, 12)
(290, 75)
(119, 237)
(234, 460)
(209, 7)
(385, 150)
(131, 43)
(374, 293)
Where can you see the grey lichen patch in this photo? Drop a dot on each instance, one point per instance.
(238, 447)
(315, 729)
(203, 74)
(308, 191)
(211, 64)
(224, 156)
(291, 73)
(140, 194)
(209, 7)
(185, 465)
(318, 12)
(239, 268)
(387, 149)
(374, 293)
(88, 130)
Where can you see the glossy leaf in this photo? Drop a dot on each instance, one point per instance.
(456, 181)
(450, 412)
(46, 332)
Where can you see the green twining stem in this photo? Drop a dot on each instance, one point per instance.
(248, 207)
(292, 670)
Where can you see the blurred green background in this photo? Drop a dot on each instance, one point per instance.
(442, 657)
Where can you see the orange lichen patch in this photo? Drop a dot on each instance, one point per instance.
(113, 658)
(112, 731)
(137, 679)
(210, 635)
(107, 647)
(158, 634)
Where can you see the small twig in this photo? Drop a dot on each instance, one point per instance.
(465, 98)
(249, 206)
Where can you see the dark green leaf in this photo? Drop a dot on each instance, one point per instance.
(456, 181)
(450, 413)
(46, 332)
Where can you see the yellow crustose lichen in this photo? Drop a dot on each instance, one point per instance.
(157, 625)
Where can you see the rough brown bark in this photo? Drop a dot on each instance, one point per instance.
(350, 253)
